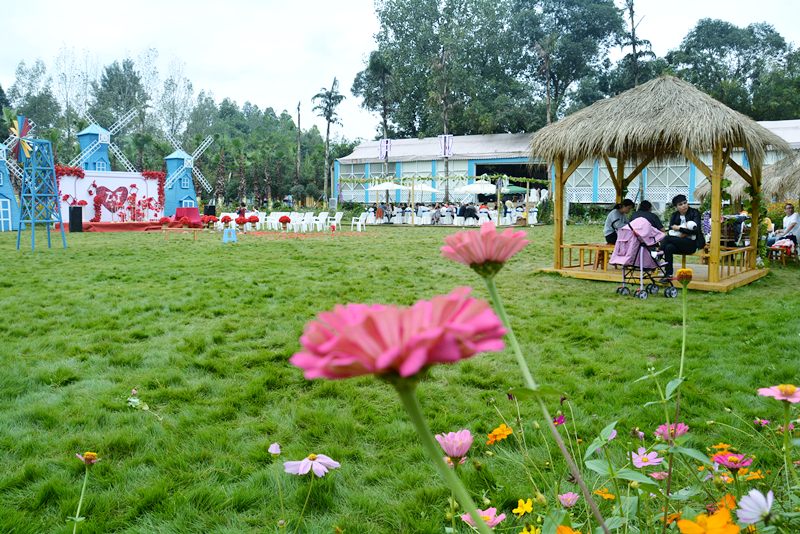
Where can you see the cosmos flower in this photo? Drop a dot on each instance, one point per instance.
(784, 392)
(755, 507)
(568, 500)
(642, 459)
(319, 463)
(489, 516)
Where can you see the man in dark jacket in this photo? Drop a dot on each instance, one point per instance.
(645, 210)
(685, 233)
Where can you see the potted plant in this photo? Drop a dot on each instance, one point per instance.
(284, 220)
(204, 221)
(185, 222)
(164, 222)
(211, 220)
(226, 221)
(253, 220)
(241, 221)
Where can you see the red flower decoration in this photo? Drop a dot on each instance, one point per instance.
(252, 219)
(164, 220)
(185, 221)
(226, 219)
(284, 220)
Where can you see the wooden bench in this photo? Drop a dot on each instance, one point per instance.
(778, 254)
(168, 230)
(598, 254)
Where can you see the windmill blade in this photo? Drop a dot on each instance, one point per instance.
(9, 143)
(121, 157)
(202, 179)
(15, 171)
(171, 179)
(125, 119)
(172, 140)
(88, 118)
(203, 146)
(91, 149)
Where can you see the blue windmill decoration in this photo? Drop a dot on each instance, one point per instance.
(39, 196)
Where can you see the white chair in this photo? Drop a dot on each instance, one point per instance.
(305, 223)
(358, 221)
(336, 222)
(321, 222)
(458, 221)
(371, 216)
(427, 218)
(483, 217)
(398, 218)
(447, 217)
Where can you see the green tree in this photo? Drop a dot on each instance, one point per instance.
(4, 103)
(32, 94)
(726, 61)
(120, 90)
(776, 96)
(375, 85)
(329, 101)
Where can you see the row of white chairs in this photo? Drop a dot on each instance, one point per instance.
(448, 217)
(303, 222)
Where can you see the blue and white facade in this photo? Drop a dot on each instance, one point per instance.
(94, 158)
(180, 193)
(9, 207)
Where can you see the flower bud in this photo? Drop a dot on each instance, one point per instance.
(281, 523)
(536, 426)
(448, 516)
(633, 484)
(489, 453)
(487, 502)
(541, 500)
(337, 530)
(477, 465)
(718, 482)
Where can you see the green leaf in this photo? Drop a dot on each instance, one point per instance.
(75, 519)
(449, 530)
(660, 447)
(673, 385)
(630, 474)
(645, 377)
(596, 444)
(629, 506)
(134, 402)
(599, 466)
(612, 523)
(796, 442)
(605, 434)
(540, 391)
(555, 519)
(686, 493)
(694, 453)
(656, 402)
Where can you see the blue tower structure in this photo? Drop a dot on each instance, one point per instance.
(94, 142)
(179, 187)
(40, 202)
(9, 208)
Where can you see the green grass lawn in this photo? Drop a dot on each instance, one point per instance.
(204, 330)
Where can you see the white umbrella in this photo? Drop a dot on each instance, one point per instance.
(388, 186)
(478, 188)
(421, 188)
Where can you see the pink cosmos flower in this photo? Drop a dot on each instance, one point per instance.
(560, 420)
(784, 392)
(358, 339)
(762, 422)
(641, 458)
(673, 431)
(612, 436)
(568, 500)
(660, 475)
(318, 462)
(489, 516)
(455, 444)
(732, 461)
(755, 507)
(274, 448)
(780, 428)
(474, 247)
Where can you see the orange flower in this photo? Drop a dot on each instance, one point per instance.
(566, 530)
(728, 501)
(755, 475)
(721, 446)
(671, 518)
(719, 523)
(604, 493)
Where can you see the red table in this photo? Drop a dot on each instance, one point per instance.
(192, 213)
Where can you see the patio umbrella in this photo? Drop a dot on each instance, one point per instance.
(478, 188)
(386, 186)
(513, 190)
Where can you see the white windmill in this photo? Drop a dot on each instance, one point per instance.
(96, 144)
(188, 162)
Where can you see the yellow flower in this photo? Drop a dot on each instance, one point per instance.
(727, 502)
(719, 523)
(523, 508)
(721, 445)
(604, 493)
(529, 529)
(684, 274)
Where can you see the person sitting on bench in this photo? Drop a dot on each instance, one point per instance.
(645, 211)
(685, 234)
(791, 227)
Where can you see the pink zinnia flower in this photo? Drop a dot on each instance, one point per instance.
(780, 428)
(358, 339)
(784, 392)
(568, 500)
(489, 516)
(89, 458)
(762, 422)
(732, 461)
(474, 247)
(660, 475)
(673, 431)
(318, 462)
(641, 458)
(560, 420)
(455, 444)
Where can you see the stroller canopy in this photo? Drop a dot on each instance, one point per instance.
(637, 233)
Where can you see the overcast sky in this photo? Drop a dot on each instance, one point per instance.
(275, 54)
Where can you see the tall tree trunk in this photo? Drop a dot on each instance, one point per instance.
(268, 182)
(278, 176)
(297, 161)
(242, 180)
(256, 186)
(219, 185)
(327, 155)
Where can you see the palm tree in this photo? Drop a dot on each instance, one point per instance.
(140, 143)
(219, 163)
(237, 146)
(329, 101)
(252, 160)
(266, 154)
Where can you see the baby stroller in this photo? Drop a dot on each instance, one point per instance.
(637, 251)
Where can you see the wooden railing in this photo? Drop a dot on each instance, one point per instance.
(589, 256)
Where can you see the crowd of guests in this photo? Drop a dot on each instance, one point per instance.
(467, 210)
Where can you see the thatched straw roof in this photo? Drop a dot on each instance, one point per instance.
(665, 111)
(778, 182)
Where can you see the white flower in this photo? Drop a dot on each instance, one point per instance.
(318, 462)
(755, 507)
(274, 449)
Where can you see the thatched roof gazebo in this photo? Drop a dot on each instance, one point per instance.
(778, 182)
(661, 119)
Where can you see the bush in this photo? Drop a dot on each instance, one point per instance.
(546, 211)
(775, 211)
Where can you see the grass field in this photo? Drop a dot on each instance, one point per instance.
(203, 331)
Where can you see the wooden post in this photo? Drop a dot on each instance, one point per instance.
(619, 181)
(716, 215)
(755, 214)
(558, 211)
(527, 205)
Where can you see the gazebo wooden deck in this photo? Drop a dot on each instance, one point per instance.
(661, 119)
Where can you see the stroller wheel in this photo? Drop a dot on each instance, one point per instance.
(619, 290)
(652, 289)
(643, 295)
(636, 293)
(625, 291)
(670, 292)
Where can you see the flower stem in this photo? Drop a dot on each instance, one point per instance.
(80, 501)
(501, 311)
(786, 454)
(613, 476)
(300, 519)
(280, 495)
(408, 396)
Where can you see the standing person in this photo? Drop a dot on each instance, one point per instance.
(685, 234)
(617, 218)
(791, 226)
(645, 211)
(509, 207)
(242, 210)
